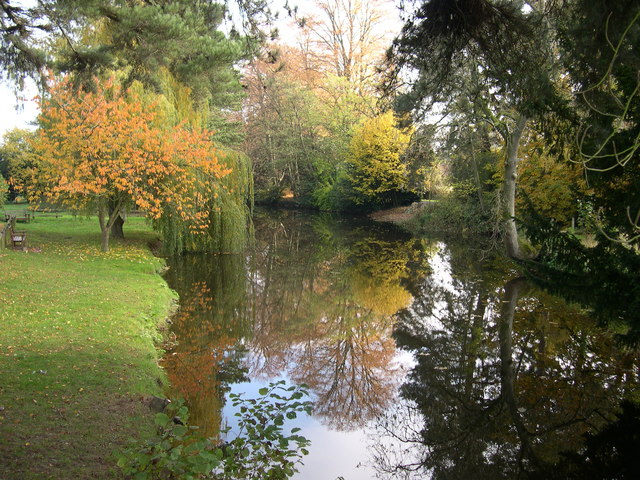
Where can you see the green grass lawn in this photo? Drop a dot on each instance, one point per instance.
(77, 354)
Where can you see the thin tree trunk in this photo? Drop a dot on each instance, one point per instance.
(477, 175)
(509, 189)
(475, 325)
(507, 376)
(106, 225)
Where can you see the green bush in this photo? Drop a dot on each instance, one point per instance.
(335, 194)
(454, 214)
(4, 191)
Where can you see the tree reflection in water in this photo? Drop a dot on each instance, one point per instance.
(313, 301)
(507, 378)
(208, 354)
(325, 297)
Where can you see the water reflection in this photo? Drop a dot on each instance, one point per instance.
(208, 353)
(325, 293)
(313, 301)
(503, 376)
(508, 377)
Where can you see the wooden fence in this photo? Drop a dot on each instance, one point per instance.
(9, 234)
(5, 234)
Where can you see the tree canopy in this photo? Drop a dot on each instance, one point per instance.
(598, 43)
(107, 150)
(88, 36)
(374, 160)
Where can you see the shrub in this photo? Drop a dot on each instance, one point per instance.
(261, 449)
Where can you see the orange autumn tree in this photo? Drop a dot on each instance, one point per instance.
(109, 149)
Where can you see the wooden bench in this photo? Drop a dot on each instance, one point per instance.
(19, 239)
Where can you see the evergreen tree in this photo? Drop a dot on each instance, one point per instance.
(599, 48)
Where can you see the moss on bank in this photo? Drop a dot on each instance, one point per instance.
(77, 348)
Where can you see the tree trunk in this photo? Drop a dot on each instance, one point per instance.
(476, 175)
(104, 228)
(509, 189)
(104, 245)
(106, 225)
(117, 230)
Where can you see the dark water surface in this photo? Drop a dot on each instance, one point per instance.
(424, 359)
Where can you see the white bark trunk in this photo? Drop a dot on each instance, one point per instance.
(509, 189)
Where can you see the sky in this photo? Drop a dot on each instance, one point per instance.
(17, 113)
(21, 113)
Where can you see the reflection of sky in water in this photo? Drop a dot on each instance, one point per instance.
(441, 277)
(332, 453)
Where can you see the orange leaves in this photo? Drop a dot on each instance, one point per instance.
(107, 144)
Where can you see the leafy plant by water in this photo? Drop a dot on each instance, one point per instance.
(261, 449)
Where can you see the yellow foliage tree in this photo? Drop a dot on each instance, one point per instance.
(551, 186)
(375, 168)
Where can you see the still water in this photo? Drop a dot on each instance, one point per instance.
(424, 358)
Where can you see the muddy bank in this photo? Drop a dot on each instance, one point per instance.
(399, 215)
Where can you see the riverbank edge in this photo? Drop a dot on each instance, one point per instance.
(50, 429)
(401, 216)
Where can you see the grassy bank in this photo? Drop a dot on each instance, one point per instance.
(77, 355)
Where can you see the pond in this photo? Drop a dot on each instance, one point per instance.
(424, 358)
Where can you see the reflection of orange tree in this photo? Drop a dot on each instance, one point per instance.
(347, 364)
(194, 365)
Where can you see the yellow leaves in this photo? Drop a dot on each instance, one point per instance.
(374, 155)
